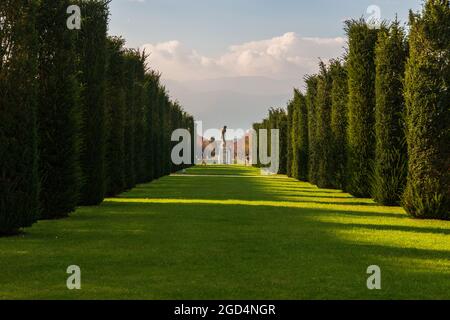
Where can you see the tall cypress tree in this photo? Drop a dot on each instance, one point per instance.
(361, 106)
(290, 110)
(390, 155)
(257, 127)
(129, 81)
(166, 140)
(92, 55)
(277, 119)
(166, 136)
(303, 143)
(115, 118)
(295, 129)
(311, 92)
(191, 125)
(139, 117)
(58, 111)
(339, 97)
(156, 132)
(280, 123)
(159, 130)
(427, 95)
(18, 135)
(324, 139)
(151, 89)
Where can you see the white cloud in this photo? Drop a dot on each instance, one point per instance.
(245, 80)
(287, 56)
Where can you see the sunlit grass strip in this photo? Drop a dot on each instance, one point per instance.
(426, 226)
(215, 175)
(281, 204)
(395, 238)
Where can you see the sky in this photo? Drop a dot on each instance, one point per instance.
(228, 61)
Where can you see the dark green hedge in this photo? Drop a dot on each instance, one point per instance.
(313, 147)
(18, 133)
(277, 119)
(289, 144)
(323, 135)
(295, 137)
(339, 100)
(361, 106)
(390, 152)
(380, 117)
(102, 119)
(151, 91)
(302, 138)
(115, 117)
(427, 95)
(58, 112)
(92, 54)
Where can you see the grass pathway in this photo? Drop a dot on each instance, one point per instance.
(227, 233)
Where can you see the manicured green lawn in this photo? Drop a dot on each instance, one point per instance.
(243, 236)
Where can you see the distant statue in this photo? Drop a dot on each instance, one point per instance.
(224, 132)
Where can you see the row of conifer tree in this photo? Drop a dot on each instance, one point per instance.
(81, 116)
(376, 123)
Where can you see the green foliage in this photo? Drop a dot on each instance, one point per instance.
(256, 127)
(303, 140)
(102, 120)
(295, 128)
(92, 51)
(427, 96)
(115, 117)
(313, 161)
(339, 100)
(323, 134)
(289, 145)
(151, 91)
(277, 119)
(139, 120)
(160, 128)
(299, 137)
(18, 135)
(390, 156)
(131, 61)
(361, 106)
(58, 112)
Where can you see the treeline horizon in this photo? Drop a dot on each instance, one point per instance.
(376, 122)
(82, 116)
